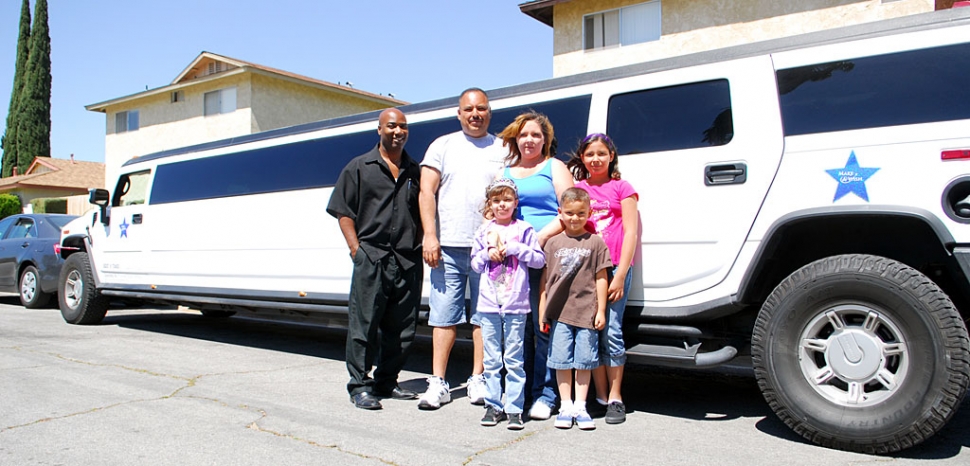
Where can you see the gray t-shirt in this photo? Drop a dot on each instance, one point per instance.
(467, 165)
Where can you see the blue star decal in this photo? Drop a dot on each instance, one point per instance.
(124, 228)
(852, 179)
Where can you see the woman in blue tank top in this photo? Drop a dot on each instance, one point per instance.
(540, 179)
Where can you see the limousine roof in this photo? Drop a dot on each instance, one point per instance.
(912, 23)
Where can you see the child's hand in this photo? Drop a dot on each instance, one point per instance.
(599, 322)
(496, 248)
(615, 292)
(496, 253)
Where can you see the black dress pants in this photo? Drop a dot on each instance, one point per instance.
(383, 308)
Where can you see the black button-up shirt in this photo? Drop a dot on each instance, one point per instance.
(384, 210)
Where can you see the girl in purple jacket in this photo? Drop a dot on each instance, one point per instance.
(504, 250)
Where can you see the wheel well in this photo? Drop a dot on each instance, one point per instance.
(72, 244)
(908, 239)
(20, 270)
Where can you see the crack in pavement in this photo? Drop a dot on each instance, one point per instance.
(263, 415)
(502, 446)
(189, 383)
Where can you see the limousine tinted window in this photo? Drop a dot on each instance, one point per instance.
(671, 118)
(903, 88)
(317, 163)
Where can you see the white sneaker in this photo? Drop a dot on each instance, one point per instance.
(476, 389)
(436, 395)
(540, 411)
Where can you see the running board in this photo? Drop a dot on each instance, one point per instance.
(688, 356)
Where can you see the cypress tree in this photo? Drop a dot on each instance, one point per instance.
(34, 113)
(10, 134)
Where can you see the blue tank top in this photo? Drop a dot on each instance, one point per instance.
(537, 197)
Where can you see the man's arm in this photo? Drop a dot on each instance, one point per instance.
(430, 178)
(349, 229)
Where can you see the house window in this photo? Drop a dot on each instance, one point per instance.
(221, 101)
(178, 96)
(126, 121)
(624, 26)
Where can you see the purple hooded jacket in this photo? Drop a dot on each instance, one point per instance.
(504, 286)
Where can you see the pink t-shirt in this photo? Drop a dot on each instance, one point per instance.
(607, 212)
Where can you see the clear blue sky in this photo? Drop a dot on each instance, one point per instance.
(418, 50)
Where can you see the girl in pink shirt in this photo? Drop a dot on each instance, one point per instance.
(615, 218)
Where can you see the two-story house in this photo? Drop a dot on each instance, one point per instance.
(217, 97)
(597, 34)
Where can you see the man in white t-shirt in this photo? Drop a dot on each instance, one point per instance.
(454, 174)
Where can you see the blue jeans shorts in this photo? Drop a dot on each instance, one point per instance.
(612, 347)
(573, 347)
(449, 281)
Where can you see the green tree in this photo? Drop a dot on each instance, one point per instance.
(9, 138)
(34, 113)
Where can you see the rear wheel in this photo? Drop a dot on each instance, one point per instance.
(80, 301)
(861, 353)
(31, 295)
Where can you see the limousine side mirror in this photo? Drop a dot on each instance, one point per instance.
(99, 197)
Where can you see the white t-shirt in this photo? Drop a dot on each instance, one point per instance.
(467, 165)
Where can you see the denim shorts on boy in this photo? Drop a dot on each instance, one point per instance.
(612, 348)
(448, 283)
(573, 347)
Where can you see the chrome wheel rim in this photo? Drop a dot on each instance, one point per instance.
(73, 288)
(853, 355)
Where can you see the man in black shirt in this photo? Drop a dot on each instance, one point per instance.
(375, 202)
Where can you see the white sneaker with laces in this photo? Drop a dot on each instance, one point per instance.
(476, 389)
(540, 411)
(436, 395)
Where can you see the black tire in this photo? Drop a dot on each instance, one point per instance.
(31, 296)
(861, 353)
(213, 314)
(80, 301)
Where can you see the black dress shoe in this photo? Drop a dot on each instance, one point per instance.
(365, 400)
(397, 393)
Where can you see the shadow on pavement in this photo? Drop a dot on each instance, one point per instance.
(678, 393)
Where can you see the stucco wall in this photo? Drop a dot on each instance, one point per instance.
(278, 103)
(167, 125)
(695, 25)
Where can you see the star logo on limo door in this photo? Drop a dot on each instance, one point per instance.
(124, 227)
(852, 179)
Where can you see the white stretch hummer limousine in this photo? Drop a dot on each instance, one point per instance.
(805, 206)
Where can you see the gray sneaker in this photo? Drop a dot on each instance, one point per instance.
(436, 395)
(492, 417)
(615, 413)
(515, 422)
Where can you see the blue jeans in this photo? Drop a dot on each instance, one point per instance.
(541, 379)
(612, 348)
(448, 282)
(502, 335)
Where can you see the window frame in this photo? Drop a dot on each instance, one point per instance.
(131, 120)
(619, 26)
(222, 102)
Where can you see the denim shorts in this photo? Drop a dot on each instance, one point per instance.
(612, 347)
(449, 280)
(573, 347)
